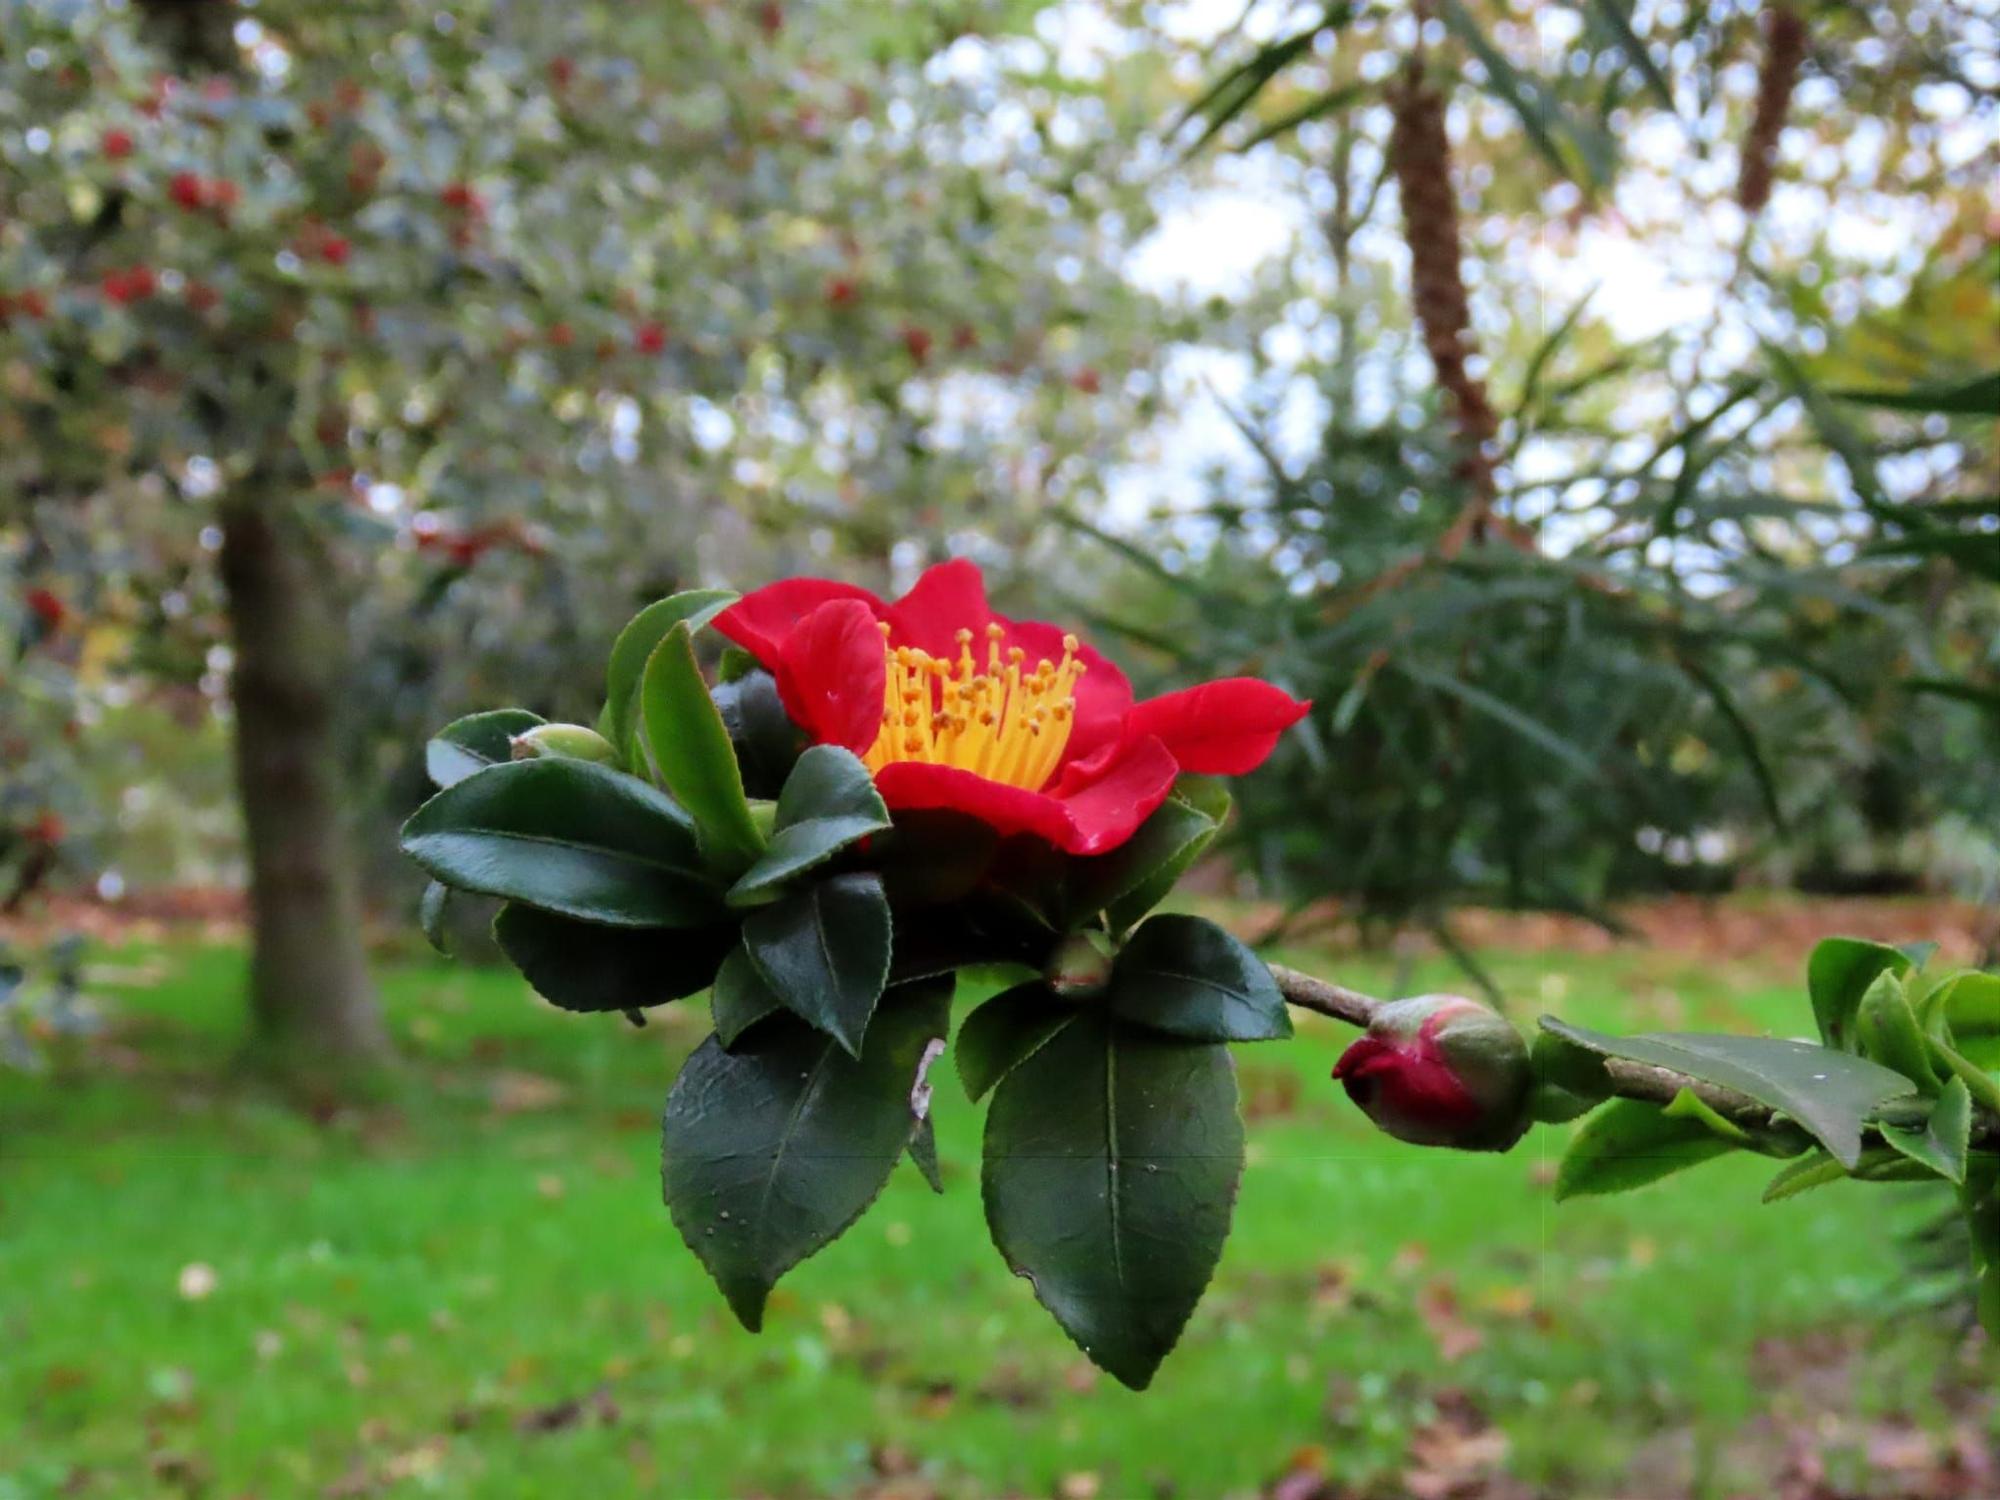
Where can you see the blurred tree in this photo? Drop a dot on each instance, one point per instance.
(317, 320)
(1599, 597)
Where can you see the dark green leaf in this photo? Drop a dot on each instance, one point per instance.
(1134, 877)
(1005, 1032)
(1533, 102)
(923, 1154)
(1617, 20)
(824, 952)
(1186, 977)
(1945, 1140)
(933, 856)
(585, 966)
(1331, 102)
(1830, 1093)
(635, 643)
(829, 803)
(740, 998)
(1628, 1144)
(772, 1150)
(475, 742)
(1235, 90)
(1977, 397)
(568, 836)
(690, 745)
(1838, 975)
(436, 906)
(767, 742)
(1111, 1164)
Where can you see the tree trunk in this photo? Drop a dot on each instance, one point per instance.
(313, 1012)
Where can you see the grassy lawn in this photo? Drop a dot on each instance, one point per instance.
(477, 1293)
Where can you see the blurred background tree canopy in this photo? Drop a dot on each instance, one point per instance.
(1591, 407)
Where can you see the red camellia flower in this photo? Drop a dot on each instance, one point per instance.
(1011, 721)
(188, 190)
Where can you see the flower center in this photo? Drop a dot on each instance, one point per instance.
(1008, 723)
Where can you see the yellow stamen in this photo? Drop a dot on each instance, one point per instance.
(1009, 723)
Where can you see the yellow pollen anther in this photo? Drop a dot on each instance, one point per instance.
(1008, 723)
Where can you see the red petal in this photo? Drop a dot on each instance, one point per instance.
(831, 674)
(947, 599)
(1093, 820)
(1220, 728)
(762, 618)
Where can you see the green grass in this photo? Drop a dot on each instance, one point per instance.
(402, 1297)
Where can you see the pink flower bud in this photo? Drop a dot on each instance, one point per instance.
(1441, 1070)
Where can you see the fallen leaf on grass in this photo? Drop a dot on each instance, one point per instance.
(597, 1406)
(512, 1092)
(1437, 1306)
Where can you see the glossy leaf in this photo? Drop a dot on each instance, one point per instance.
(1133, 878)
(1831, 1094)
(1185, 976)
(829, 804)
(1838, 975)
(587, 967)
(570, 837)
(630, 652)
(1945, 1140)
(771, 1151)
(740, 998)
(825, 953)
(475, 742)
(431, 914)
(1964, 1010)
(923, 1154)
(1111, 1163)
(1005, 1032)
(1815, 1169)
(767, 743)
(1628, 1144)
(687, 740)
(1886, 1030)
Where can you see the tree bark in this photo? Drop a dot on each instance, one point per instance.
(314, 1017)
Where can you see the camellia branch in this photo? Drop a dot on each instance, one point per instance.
(1630, 1080)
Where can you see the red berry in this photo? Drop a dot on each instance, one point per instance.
(918, 342)
(562, 71)
(223, 194)
(117, 144)
(650, 338)
(1088, 381)
(334, 250)
(963, 338)
(187, 190)
(841, 291)
(201, 297)
(46, 829)
(47, 608)
(32, 304)
(129, 286)
(562, 335)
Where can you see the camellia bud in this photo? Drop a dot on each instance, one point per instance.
(1080, 966)
(1441, 1070)
(572, 740)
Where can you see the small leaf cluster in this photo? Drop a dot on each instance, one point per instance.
(693, 841)
(1902, 1086)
